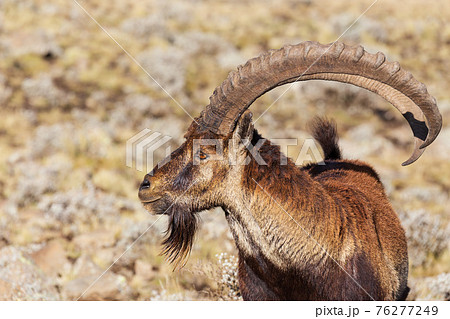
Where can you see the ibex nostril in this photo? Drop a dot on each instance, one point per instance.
(145, 184)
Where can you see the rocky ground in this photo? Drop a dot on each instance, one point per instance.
(70, 98)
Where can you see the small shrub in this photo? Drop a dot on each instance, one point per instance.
(229, 283)
(426, 234)
(167, 67)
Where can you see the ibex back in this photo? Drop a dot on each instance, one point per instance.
(319, 232)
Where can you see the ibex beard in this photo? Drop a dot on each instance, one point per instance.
(303, 233)
(181, 231)
(182, 226)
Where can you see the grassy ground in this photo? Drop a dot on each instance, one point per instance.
(70, 98)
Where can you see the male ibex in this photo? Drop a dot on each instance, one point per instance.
(320, 232)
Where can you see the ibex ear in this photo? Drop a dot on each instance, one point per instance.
(243, 132)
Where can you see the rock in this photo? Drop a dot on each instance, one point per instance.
(106, 256)
(84, 266)
(8, 291)
(51, 259)
(94, 240)
(144, 270)
(109, 287)
(21, 279)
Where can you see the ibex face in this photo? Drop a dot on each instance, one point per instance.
(196, 177)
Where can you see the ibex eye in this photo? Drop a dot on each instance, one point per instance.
(202, 156)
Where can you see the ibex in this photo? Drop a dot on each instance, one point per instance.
(318, 232)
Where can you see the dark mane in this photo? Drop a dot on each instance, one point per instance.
(340, 167)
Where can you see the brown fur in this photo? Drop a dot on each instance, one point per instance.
(303, 233)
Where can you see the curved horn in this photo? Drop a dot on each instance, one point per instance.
(334, 62)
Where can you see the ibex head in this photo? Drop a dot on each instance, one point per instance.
(199, 176)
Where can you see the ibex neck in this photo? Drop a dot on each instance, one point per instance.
(280, 212)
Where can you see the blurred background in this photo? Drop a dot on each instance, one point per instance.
(70, 98)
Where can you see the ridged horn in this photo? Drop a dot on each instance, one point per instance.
(333, 62)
